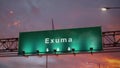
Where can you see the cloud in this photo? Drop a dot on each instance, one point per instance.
(111, 27)
(64, 61)
(3, 66)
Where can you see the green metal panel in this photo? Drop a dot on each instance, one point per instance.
(61, 41)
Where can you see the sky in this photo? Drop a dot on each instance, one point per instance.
(36, 15)
(105, 60)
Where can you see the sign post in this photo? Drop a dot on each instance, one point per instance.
(64, 41)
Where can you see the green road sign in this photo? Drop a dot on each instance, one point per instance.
(62, 41)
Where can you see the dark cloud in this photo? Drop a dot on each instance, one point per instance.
(65, 61)
(3, 65)
(37, 14)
